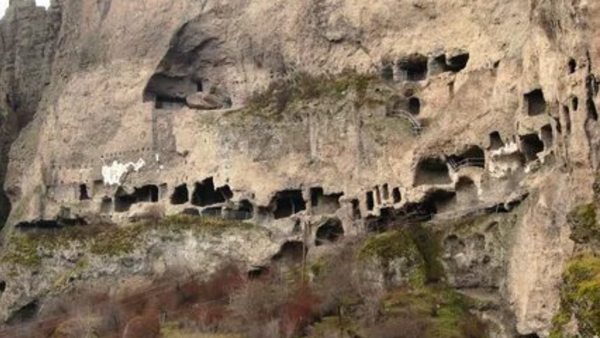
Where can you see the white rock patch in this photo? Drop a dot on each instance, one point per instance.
(112, 174)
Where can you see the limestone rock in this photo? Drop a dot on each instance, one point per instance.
(203, 101)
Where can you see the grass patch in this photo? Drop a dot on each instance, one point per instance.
(580, 296)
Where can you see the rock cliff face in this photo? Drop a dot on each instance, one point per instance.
(327, 116)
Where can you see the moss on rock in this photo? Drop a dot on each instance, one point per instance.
(580, 296)
(584, 225)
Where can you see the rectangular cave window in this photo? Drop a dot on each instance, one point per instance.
(148, 193)
(413, 68)
(547, 136)
(83, 192)
(370, 201)
(287, 203)
(535, 102)
(106, 205)
(180, 195)
(396, 195)
(531, 146)
(356, 209)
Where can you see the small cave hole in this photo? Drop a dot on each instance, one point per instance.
(180, 195)
(575, 103)
(496, 141)
(387, 72)
(413, 68)
(24, 314)
(396, 195)
(535, 102)
(370, 201)
(458, 62)
(531, 146)
(322, 203)
(205, 194)
(356, 209)
(329, 232)
(558, 125)
(439, 201)
(591, 109)
(287, 203)
(572, 66)
(83, 192)
(106, 205)
(432, 171)
(414, 106)
(258, 272)
(199, 86)
(566, 113)
(291, 252)
(123, 201)
(547, 136)
(2, 286)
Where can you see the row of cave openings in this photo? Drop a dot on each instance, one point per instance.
(418, 67)
(208, 200)
(535, 103)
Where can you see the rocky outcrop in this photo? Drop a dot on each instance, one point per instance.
(321, 122)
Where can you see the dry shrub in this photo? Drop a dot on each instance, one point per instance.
(400, 327)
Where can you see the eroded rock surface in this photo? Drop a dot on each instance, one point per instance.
(311, 120)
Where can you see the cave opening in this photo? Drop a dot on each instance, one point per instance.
(147, 193)
(205, 193)
(572, 66)
(24, 314)
(180, 195)
(83, 192)
(547, 136)
(2, 287)
(535, 102)
(123, 201)
(396, 195)
(370, 201)
(106, 205)
(413, 68)
(591, 109)
(438, 201)
(387, 72)
(458, 62)
(566, 113)
(575, 103)
(414, 106)
(291, 252)
(432, 171)
(322, 203)
(356, 209)
(244, 211)
(330, 232)
(39, 224)
(496, 141)
(287, 203)
(531, 146)
(170, 91)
